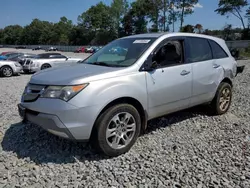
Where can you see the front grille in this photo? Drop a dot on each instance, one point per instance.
(28, 61)
(32, 92)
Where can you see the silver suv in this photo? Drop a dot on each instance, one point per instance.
(108, 98)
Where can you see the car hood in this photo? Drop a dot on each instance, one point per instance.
(6, 62)
(70, 74)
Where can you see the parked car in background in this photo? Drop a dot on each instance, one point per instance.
(20, 58)
(4, 53)
(20, 47)
(95, 49)
(108, 98)
(9, 68)
(92, 49)
(44, 61)
(80, 50)
(37, 48)
(88, 49)
(2, 57)
(51, 49)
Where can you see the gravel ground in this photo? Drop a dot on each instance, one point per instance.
(185, 149)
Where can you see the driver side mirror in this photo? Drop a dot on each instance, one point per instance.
(151, 66)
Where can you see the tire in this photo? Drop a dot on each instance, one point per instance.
(121, 130)
(224, 93)
(6, 71)
(45, 66)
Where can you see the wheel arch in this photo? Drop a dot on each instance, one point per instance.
(227, 80)
(132, 101)
(45, 64)
(6, 66)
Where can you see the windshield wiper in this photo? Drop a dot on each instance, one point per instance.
(105, 64)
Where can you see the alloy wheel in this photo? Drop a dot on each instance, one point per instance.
(225, 99)
(120, 130)
(7, 71)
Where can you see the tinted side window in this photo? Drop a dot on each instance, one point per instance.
(57, 56)
(199, 50)
(171, 53)
(218, 52)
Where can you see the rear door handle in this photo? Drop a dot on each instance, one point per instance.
(216, 66)
(184, 72)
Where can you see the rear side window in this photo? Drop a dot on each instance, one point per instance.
(57, 56)
(218, 52)
(199, 50)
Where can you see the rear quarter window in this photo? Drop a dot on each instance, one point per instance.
(198, 50)
(57, 56)
(218, 52)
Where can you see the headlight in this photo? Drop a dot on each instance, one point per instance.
(17, 64)
(63, 92)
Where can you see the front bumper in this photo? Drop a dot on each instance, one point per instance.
(30, 68)
(60, 118)
(17, 70)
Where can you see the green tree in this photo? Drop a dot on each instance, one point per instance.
(187, 29)
(174, 13)
(233, 7)
(118, 10)
(186, 9)
(135, 21)
(97, 17)
(61, 31)
(36, 32)
(152, 9)
(98, 20)
(198, 28)
(12, 34)
(248, 17)
(127, 24)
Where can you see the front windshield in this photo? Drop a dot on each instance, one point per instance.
(120, 53)
(12, 55)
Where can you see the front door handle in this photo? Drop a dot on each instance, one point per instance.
(184, 72)
(216, 66)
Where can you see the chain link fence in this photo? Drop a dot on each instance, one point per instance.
(240, 44)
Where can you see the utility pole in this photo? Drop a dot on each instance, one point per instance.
(164, 15)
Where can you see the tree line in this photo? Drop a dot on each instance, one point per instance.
(101, 23)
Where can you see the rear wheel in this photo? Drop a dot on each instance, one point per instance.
(6, 71)
(45, 66)
(222, 100)
(116, 130)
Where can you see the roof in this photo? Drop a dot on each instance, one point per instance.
(160, 34)
(146, 35)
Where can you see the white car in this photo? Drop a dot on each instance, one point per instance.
(108, 99)
(44, 61)
(9, 68)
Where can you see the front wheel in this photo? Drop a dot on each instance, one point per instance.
(45, 66)
(116, 130)
(6, 71)
(222, 100)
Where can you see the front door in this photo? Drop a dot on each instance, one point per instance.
(170, 85)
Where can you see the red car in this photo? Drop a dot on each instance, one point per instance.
(4, 53)
(80, 50)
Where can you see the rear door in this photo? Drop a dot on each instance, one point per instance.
(223, 59)
(206, 72)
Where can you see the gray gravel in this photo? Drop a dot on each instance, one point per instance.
(185, 149)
